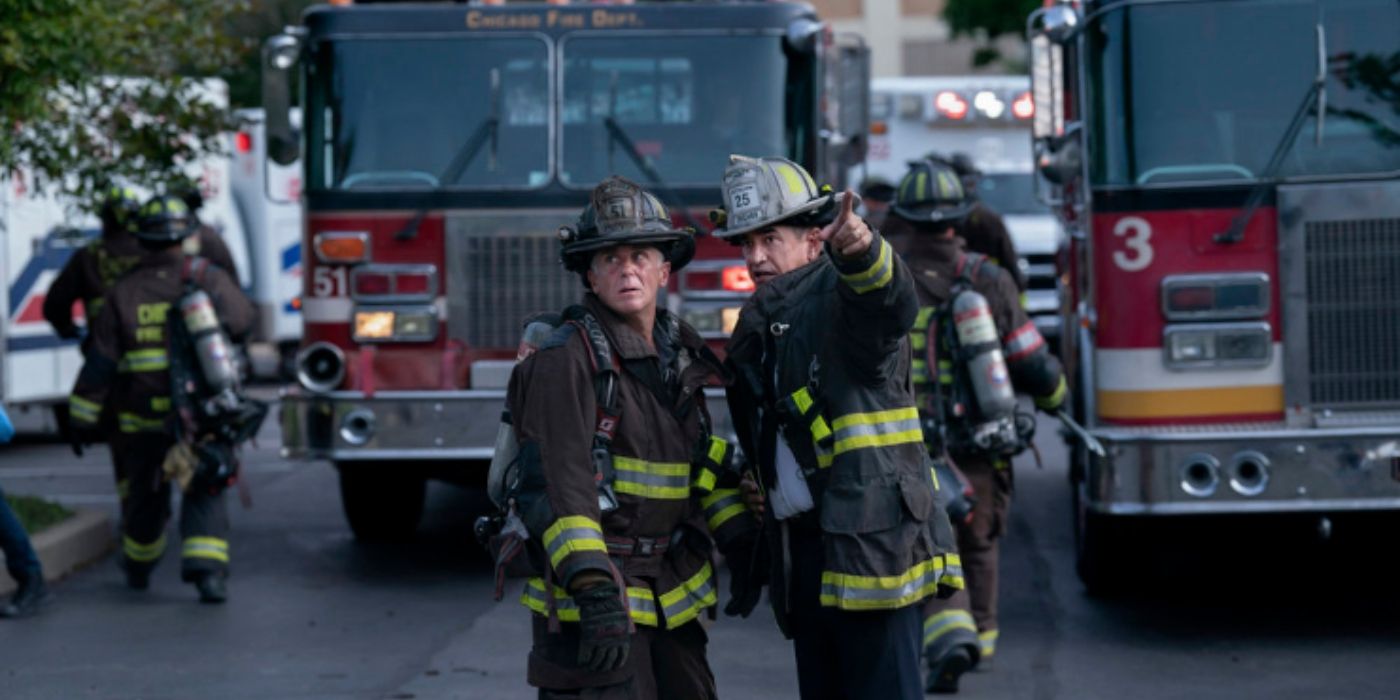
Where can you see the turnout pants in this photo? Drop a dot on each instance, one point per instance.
(661, 664)
(145, 501)
(969, 617)
(844, 655)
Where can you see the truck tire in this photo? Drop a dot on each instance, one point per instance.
(1096, 549)
(382, 503)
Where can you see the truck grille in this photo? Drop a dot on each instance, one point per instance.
(1353, 298)
(504, 280)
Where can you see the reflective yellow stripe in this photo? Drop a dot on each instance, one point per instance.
(925, 315)
(938, 626)
(82, 410)
(641, 603)
(877, 275)
(1054, 399)
(952, 572)
(133, 423)
(918, 373)
(206, 548)
(718, 447)
(852, 592)
(136, 551)
(705, 481)
(684, 603)
(146, 361)
(802, 398)
(877, 429)
(795, 182)
(721, 506)
(570, 534)
(988, 641)
(659, 480)
(934, 473)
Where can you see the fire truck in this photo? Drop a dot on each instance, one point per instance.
(445, 145)
(1229, 173)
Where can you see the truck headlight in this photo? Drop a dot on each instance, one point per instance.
(415, 324)
(1201, 346)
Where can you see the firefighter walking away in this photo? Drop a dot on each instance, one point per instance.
(160, 361)
(973, 344)
(823, 410)
(619, 488)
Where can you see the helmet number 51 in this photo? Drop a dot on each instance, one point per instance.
(1136, 234)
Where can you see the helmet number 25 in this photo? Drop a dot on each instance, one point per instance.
(1136, 234)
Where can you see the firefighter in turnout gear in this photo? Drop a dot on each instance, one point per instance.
(205, 241)
(822, 404)
(129, 369)
(93, 269)
(630, 492)
(949, 359)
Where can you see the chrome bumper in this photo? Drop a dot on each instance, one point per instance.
(412, 425)
(1335, 469)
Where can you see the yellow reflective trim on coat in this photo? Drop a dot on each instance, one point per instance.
(988, 642)
(896, 426)
(138, 361)
(659, 480)
(133, 423)
(877, 275)
(82, 410)
(136, 551)
(705, 481)
(205, 548)
(721, 506)
(855, 592)
(571, 534)
(641, 603)
(1054, 399)
(718, 446)
(944, 623)
(685, 602)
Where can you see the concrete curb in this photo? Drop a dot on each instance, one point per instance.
(69, 545)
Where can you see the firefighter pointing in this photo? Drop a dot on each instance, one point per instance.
(972, 344)
(135, 368)
(822, 406)
(614, 473)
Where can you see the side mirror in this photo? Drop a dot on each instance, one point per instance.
(802, 35)
(1059, 159)
(280, 56)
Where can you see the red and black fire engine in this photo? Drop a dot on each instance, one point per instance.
(445, 145)
(1230, 173)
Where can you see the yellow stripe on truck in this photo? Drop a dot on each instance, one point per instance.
(1191, 403)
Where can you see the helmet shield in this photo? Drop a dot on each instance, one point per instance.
(762, 192)
(620, 212)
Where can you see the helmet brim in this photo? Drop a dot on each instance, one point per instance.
(834, 199)
(678, 245)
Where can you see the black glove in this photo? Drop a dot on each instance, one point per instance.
(604, 628)
(82, 436)
(748, 571)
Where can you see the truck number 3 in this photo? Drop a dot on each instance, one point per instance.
(328, 282)
(1136, 234)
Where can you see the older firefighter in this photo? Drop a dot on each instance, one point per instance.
(93, 269)
(822, 406)
(960, 340)
(611, 425)
(129, 367)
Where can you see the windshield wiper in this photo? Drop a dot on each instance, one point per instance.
(485, 132)
(1316, 95)
(617, 136)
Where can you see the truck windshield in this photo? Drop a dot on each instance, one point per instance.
(1009, 193)
(1191, 92)
(397, 112)
(686, 102)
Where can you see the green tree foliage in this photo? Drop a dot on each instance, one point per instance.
(986, 20)
(96, 91)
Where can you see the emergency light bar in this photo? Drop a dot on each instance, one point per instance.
(978, 106)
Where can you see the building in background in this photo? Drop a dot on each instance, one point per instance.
(909, 37)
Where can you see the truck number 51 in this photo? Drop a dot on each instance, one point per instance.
(328, 282)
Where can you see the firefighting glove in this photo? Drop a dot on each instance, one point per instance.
(604, 629)
(748, 571)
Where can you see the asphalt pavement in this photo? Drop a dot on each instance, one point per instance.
(1232, 610)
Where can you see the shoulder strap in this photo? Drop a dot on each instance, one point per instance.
(194, 270)
(605, 379)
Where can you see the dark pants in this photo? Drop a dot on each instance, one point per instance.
(842, 655)
(204, 522)
(661, 664)
(20, 559)
(970, 616)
